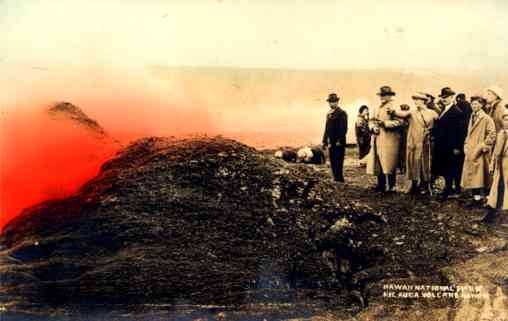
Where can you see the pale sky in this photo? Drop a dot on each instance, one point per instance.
(449, 36)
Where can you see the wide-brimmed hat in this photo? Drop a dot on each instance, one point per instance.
(446, 92)
(332, 98)
(421, 96)
(496, 90)
(386, 91)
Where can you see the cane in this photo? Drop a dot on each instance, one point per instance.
(429, 185)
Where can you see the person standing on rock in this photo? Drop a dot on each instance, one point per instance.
(494, 107)
(362, 132)
(480, 139)
(418, 146)
(385, 145)
(335, 136)
(449, 136)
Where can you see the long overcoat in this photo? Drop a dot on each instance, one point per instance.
(499, 165)
(480, 140)
(418, 151)
(384, 154)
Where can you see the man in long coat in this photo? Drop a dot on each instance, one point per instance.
(335, 136)
(385, 146)
(449, 135)
(495, 106)
(480, 139)
(418, 150)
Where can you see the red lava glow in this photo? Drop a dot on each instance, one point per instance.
(46, 158)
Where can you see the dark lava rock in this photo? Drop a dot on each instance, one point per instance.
(202, 220)
(75, 114)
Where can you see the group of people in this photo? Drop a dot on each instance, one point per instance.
(462, 141)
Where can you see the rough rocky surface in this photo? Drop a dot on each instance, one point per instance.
(193, 221)
(210, 229)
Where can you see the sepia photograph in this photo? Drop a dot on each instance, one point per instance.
(253, 160)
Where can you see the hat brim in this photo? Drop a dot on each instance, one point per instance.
(447, 95)
(420, 98)
(386, 94)
(334, 100)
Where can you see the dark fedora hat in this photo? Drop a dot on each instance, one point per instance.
(386, 91)
(446, 92)
(480, 99)
(332, 98)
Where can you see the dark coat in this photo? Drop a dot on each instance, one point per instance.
(336, 127)
(363, 137)
(449, 133)
(466, 109)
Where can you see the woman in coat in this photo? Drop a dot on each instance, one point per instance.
(480, 139)
(498, 198)
(363, 132)
(418, 147)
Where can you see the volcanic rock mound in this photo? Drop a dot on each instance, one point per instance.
(204, 220)
(75, 114)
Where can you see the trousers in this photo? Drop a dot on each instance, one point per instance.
(337, 161)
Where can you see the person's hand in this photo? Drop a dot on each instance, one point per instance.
(324, 145)
(456, 151)
(338, 144)
(485, 149)
(375, 131)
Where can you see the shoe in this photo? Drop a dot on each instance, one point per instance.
(490, 217)
(412, 191)
(390, 191)
(474, 204)
(377, 188)
(443, 196)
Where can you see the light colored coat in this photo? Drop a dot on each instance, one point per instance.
(499, 165)
(418, 148)
(480, 140)
(384, 153)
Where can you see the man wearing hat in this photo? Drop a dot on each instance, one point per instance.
(418, 151)
(494, 107)
(449, 135)
(384, 155)
(335, 136)
(479, 143)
